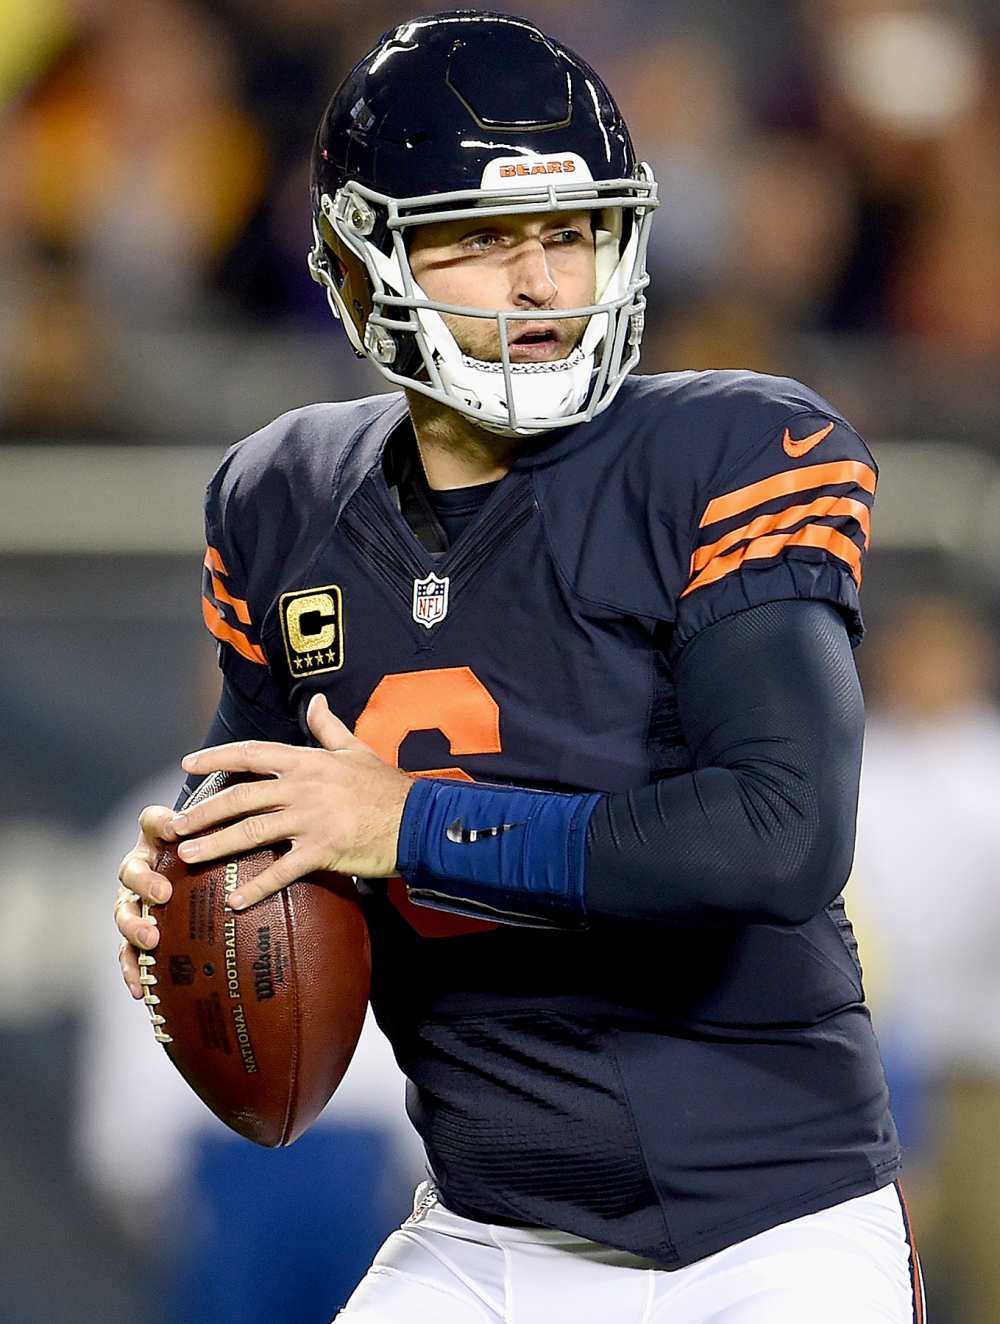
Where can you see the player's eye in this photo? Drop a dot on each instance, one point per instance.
(566, 237)
(482, 242)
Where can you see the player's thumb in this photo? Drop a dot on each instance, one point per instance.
(328, 729)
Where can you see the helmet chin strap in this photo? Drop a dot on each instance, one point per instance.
(553, 389)
(550, 390)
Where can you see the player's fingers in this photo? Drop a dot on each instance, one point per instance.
(332, 735)
(326, 726)
(260, 756)
(295, 864)
(127, 907)
(137, 876)
(146, 852)
(154, 823)
(128, 959)
(237, 801)
(138, 930)
(248, 834)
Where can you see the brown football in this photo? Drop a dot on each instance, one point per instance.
(259, 1010)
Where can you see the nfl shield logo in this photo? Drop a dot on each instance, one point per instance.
(430, 600)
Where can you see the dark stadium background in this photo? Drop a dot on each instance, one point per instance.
(830, 210)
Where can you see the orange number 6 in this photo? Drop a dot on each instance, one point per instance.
(454, 701)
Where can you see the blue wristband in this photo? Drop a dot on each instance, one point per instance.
(496, 852)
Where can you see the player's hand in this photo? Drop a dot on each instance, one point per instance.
(339, 805)
(139, 882)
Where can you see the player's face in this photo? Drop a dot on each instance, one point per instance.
(514, 263)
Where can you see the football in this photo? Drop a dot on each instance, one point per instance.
(259, 1010)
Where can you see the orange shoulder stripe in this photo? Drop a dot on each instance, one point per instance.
(214, 561)
(812, 535)
(782, 519)
(783, 484)
(228, 635)
(222, 594)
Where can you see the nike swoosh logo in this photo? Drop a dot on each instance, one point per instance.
(463, 836)
(796, 449)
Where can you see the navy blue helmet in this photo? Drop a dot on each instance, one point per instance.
(462, 114)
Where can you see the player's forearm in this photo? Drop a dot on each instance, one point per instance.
(761, 829)
(715, 846)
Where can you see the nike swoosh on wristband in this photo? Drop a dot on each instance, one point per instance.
(796, 449)
(458, 833)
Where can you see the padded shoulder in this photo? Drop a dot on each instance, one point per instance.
(708, 420)
(308, 458)
(274, 498)
(624, 497)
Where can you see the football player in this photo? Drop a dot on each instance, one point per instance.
(604, 622)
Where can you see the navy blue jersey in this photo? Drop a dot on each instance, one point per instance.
(666, 1091)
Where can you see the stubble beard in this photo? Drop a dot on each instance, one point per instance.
(479, 338)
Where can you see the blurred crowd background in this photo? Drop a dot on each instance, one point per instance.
(830, 189)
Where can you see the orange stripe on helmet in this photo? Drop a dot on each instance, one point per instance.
(228, 635)
(761, 549)
(783, 519)
(783, 484)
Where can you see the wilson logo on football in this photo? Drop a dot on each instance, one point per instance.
(538, 168)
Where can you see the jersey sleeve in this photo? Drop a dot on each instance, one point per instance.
(225, 613)
(233, 620)
(791, 518)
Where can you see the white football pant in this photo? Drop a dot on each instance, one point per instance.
(849, 1264)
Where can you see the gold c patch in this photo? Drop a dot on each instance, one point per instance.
(312, 625)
